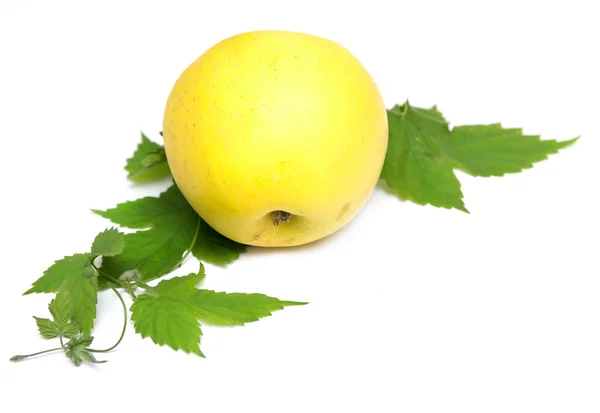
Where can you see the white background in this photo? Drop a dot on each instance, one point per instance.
(412, 308)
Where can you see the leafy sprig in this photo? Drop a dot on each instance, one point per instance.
(168, 232)
(166, 313)
(64, 325)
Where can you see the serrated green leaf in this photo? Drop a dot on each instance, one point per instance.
(70, 330)
(79, 342)
(180, 285)
(169, 316)
(81, 292)
(167, 321)
(422, 152)
(58, 327)
(60, 271)
(139, 214)
(150, 212)
(490, 150)
(156, 251)
(148, 162)
(62, 315)
(214, 248)
(47, 328)
(75, 348)
(220, 308)
(415, 167)
(234, 309)
(62, 311)
(152, 253)
(108, 243)
(210, 246)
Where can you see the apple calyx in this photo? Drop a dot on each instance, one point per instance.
(280, 216)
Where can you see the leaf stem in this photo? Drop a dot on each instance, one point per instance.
(110, 277)
(124, 324)
(126, 285)
(22, 357)
(187, 253)
(142, 284)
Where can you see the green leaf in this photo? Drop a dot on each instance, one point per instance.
(46, 327)
(108, 243)
(180, 285)
(220, 308)
(149, 211)
(153, 158)
(169, 315)
(61, 323)
(235, 309)
(415, 167)
(214, 248)
(165, 318)
(156, 251)
(70, 330)
(61, 310)
(167, 321)
(490, 150)
(89, 357)
(422, 152)
(148, 163)
(210, 246)
(75, 348)
(81, 294)
(62, 313)
(152, 253)
(61, 270)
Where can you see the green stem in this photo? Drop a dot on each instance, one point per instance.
(21, 357)
(142, 284)
(110, 277)
(126, 285)
(187, 253)
(124, 324)
(129, 289)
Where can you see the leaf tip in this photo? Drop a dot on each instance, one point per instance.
(293, 303)
(198, 352)
(567, 143)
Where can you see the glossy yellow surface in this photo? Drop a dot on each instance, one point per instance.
(271, 120)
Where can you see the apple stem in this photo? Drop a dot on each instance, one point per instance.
(280, 216)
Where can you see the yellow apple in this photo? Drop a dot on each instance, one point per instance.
(276, 138)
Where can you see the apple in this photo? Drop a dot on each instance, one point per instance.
(276, 138)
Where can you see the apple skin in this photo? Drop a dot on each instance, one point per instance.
(272, 121)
